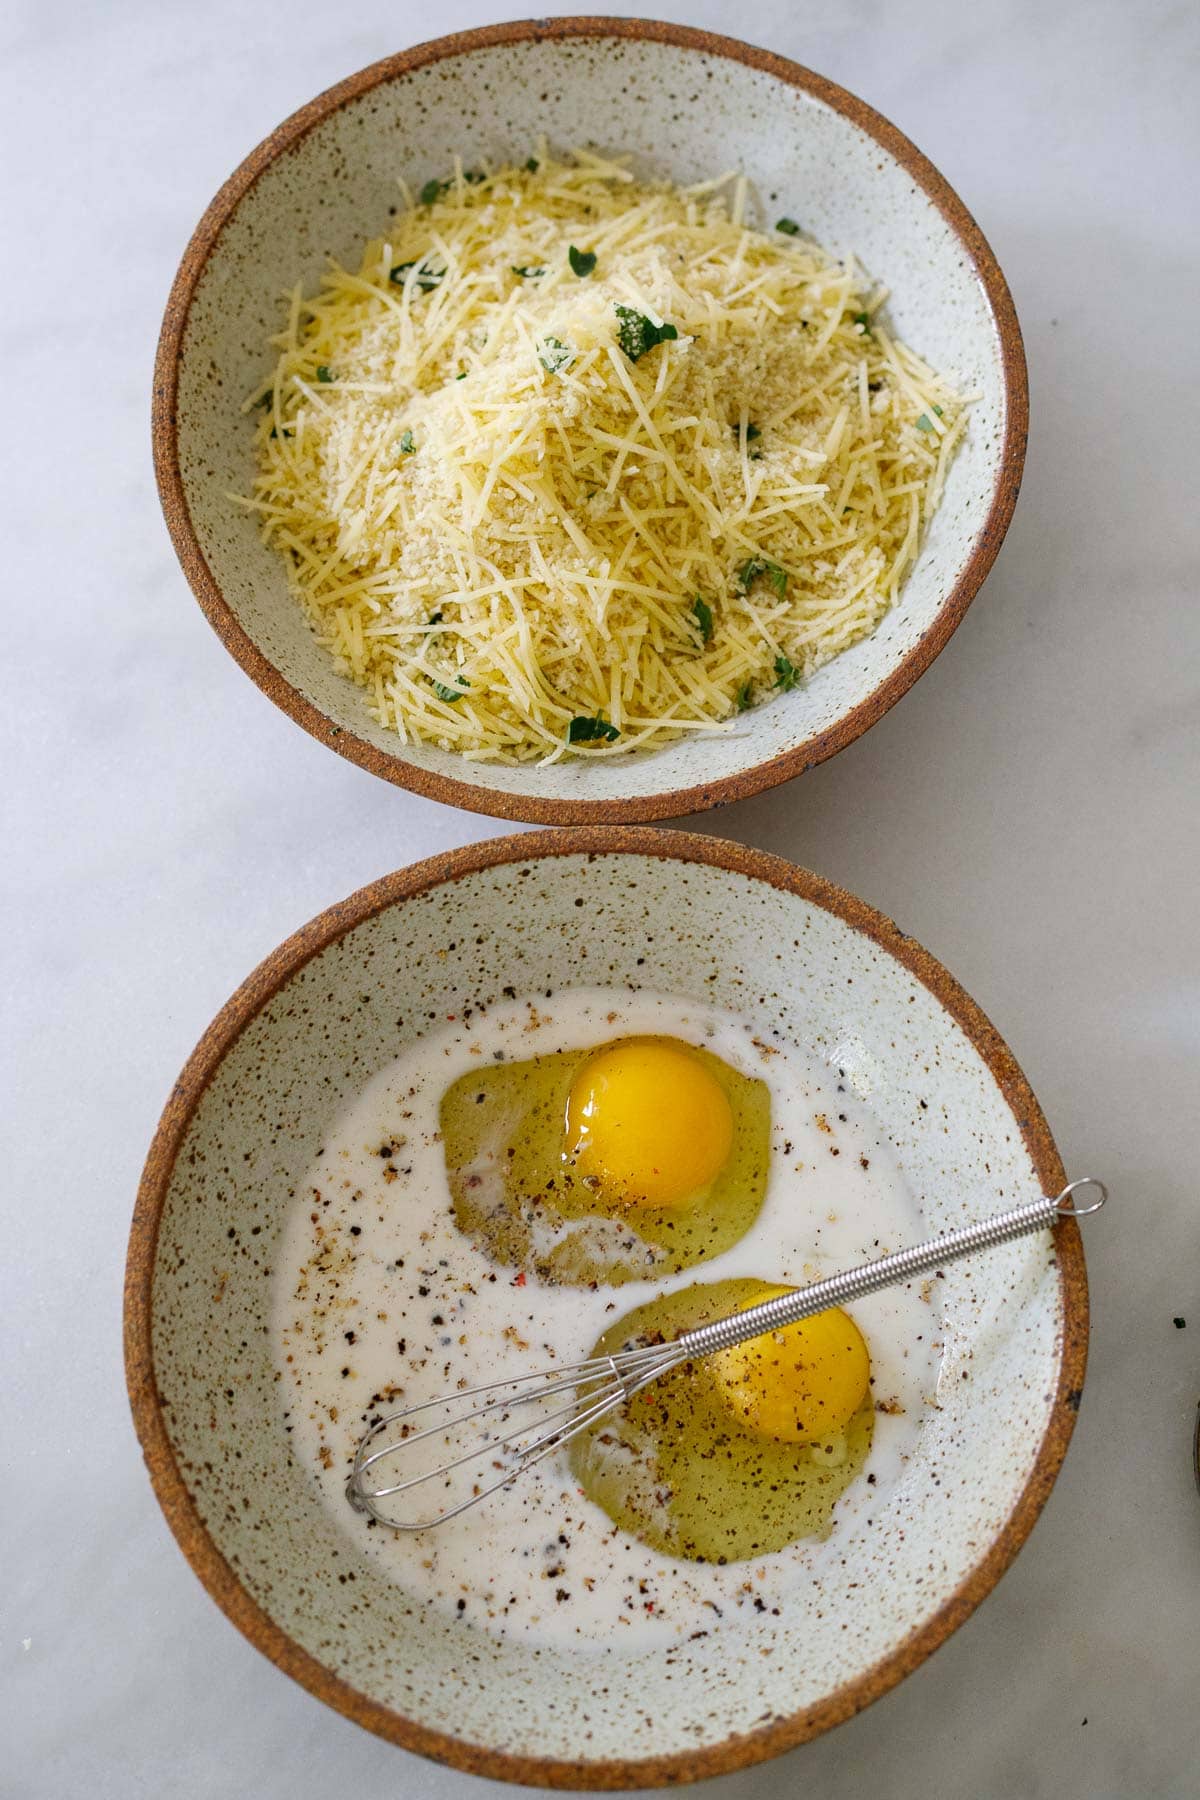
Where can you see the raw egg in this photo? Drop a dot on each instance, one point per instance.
(648, 1122)
(802, 1384)
(645, 1155)
(717, 1461)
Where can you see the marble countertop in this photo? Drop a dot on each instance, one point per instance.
(1029, 812)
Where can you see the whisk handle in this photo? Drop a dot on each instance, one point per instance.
(888, 1271)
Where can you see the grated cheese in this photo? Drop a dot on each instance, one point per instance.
(500, 517)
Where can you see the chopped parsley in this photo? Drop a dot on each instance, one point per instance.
(756, 566)
(587, 731)
(788, 227)
(426, 278)
(433, 190)
(474, 176)
(745, 696)
(863, 319)
(528, 272)
(461, 377)
(532, 165)
(636, 333)
(408, 443)
(786, 675)
(924, 423)
(702, 613)
(555, 357)
(752, 432)
(582, 261)
(323, 374)
(449, 694)
(938, 411)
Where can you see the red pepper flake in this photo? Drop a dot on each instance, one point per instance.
(518, 1280)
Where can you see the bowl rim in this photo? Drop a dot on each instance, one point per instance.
(460, 791)
(146, 1402)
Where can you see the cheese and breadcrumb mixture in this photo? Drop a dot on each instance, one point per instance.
(573, 464)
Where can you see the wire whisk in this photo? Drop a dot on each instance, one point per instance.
(466, 1445)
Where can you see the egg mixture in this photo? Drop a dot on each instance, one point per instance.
(399, 1280)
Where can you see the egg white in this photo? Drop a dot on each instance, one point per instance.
(371, 1258)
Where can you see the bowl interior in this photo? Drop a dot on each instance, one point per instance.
(705, 921)
(681, 111)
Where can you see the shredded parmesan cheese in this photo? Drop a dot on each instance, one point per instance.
(537, 513)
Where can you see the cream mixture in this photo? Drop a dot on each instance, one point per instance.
(381, 1302)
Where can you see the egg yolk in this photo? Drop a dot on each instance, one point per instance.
(800, 1384)
(649, 1122)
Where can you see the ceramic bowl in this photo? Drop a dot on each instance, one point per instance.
(686, 105)
(694, 917)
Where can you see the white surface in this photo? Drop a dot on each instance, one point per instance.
(1028, 811)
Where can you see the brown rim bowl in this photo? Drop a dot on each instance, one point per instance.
(621, 907)
(322, 183)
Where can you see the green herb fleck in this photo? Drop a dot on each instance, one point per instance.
(427, 279)
(586, 731)
(636, 333)
(702, 613)
(323, 374)
(863, 319)
(461, 377)
(938, 411)
(449, 694)
(582, 261)
(528, 273)
(433, 190)
(532, 165)
(555, 357)
(744, 696)
(924, 423)
(788, 227)
(474, 176)
(785, 674)
(757, 566)
(408, 443)
(435, 618)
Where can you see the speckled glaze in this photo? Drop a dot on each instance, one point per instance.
(687, 915)
(685, 104)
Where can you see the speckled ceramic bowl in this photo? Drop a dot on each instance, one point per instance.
(698, 918)
(687, 105)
